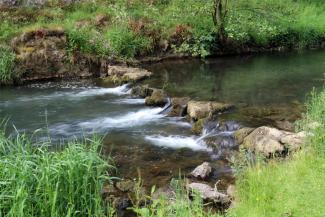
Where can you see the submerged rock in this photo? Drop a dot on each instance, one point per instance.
(179, 106)
(208, 193)
(157, 98)
(202, 171)
(202, 109)
(142, 91)
(285, 125)
(124, 74)
(270, 141)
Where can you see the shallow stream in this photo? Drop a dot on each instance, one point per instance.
(264, 88)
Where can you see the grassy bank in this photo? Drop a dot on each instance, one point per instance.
(294, 187)
(38, 182)
(123, 29)
(139, 28)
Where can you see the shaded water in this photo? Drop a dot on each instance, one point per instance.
(262, 87)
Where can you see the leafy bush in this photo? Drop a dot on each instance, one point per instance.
(7, 58)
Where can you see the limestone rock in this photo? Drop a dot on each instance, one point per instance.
(125, 185)
(264, 140)
(208, 193)
(157, 98)
(202, 109)
(269, 141)
(198, 126)
(142, 91)
(123, 74)
(202, 171)
(293, 141)
(242, 133)
(179, 106)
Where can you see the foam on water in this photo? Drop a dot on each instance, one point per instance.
(177, 142)
(130, 101)
(97, 125)
(79, 93)
(120, 90)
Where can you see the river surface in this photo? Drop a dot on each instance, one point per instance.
(264, 88)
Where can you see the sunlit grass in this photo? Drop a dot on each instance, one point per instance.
(37, 182)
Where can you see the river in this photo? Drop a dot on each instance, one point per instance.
(264, 88)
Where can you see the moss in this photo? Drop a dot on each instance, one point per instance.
(197, 127)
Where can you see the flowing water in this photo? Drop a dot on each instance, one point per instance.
(144, 139)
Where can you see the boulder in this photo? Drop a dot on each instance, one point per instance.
(179, 106)
(124, 74)
(208, 193)
(202, 171)
(264, 140)
(142, 91)
(269, 141)
(242, 133)
(293, 141)
(202, 109)
(157, 98)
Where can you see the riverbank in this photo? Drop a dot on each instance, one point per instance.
(84, 36)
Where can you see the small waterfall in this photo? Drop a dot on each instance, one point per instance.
(167, 107)
(219, 136)
(176, 142)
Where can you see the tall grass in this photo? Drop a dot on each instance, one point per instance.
(37, 182)
(7, 58)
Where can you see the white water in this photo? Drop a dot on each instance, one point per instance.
(176, 142)
(130, 119)
(78, 94)
(130, 101)
(120, 90)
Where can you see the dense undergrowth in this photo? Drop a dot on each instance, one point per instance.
(37, 182)
(140, 28)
